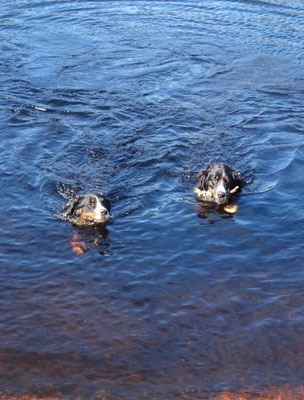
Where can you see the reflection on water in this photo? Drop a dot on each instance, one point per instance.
(133, 99)
(84, 239)
(275, 394)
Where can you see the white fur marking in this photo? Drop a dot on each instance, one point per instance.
(220, 188)
(99, 208)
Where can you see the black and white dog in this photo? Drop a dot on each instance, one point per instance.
(89, 208)
(218, 183)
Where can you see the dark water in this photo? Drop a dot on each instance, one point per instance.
(133, 98)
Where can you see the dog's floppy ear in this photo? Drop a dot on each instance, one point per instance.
(236, 177)
(69, 208)
(237, 180)
(203, 177)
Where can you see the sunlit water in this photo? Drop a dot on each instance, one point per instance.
(133, 99)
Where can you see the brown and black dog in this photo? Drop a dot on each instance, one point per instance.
(217, 183)
(88, 208)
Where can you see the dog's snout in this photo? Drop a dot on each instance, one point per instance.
(105, 215)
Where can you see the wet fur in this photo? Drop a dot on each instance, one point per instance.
(218, 183)
(87, 209)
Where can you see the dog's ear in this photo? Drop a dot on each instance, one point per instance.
(203, 177)
(69, 208)
(237, 178)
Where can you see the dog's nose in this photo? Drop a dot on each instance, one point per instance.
(221, 195)
(105, 214)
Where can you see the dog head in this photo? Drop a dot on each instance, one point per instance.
(220, 181)
(90, 207)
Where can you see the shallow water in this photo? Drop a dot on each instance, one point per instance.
(133, 99)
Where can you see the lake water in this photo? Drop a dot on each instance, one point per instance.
(133, 98)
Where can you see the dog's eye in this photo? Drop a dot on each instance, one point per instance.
(92, 201)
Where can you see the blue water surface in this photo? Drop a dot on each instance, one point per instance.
(133, 98)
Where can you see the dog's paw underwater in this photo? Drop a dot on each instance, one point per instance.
(219, 184)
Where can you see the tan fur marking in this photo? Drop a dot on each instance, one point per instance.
(213, 191)
(231, 209)
(90, 216)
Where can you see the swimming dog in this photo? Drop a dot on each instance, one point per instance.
(88, 209)
(218, 183)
